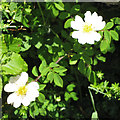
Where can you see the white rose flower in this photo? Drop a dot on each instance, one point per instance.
(86, 32)
(22, 93)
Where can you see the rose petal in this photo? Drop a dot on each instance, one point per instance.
(26, 101)
(78, 23)
(23, 79)
(33, 85)
(17, 102)
(11, 98)
(10, 87)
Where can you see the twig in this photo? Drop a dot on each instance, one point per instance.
(55, 62)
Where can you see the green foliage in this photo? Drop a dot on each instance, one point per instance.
(15, 66)
(58, 80)
(67, 23)
(34, 71)
(36, 38)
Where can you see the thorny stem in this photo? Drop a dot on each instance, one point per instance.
(55, 62)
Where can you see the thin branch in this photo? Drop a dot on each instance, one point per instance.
(55, 62)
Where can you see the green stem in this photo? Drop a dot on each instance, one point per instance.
(41, 13)
(92, 99)
(96, 90)
(55, 33)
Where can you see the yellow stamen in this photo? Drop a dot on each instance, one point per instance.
(22, 90)
(87, 28)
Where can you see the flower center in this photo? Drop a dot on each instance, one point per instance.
(87, 28)
(22, 90)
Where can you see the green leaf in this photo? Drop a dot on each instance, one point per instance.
(93, 78)
(26, 46)
(36, 110)
(50, 107)
(50, 76)
(34, 71)
(38, 45)
(117, 21)
(42, 86)
(107, 36)
(64, 15)
(67, 24)
(41, 98)
(45, 71)
(15, 66)
(42, 111)
(67, 96)
(59, 6)
(53, 64)
(18, 16)
(55, 11)
(42, 65)
(31, 112)
(74, 59)
(81, 67)
(109, 25)
(101, 58)
(6, 14)
(88, 72)
(3, 47)
(28, 10)
(12, 6)
(72, 62)
(75, 9)
(25, 22)
(73, 96)
(60, 69)
(58, 80)
(15, 45)
(114, 35)
(70, 87)
(104, 46)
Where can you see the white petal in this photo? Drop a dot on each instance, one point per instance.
(89, 37)
(94, 15)
(33, 92)
(17, 102)
(75, 34)
(88, 17)
(97, 36)
(14, 99)
(78, 23)
(33, 85)
(100, 26)
(86, 37)
(82, 41)
(11, 98)
(23, 79)
(95, 20)
(30, 96)
(26, 101)
(10, 87)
